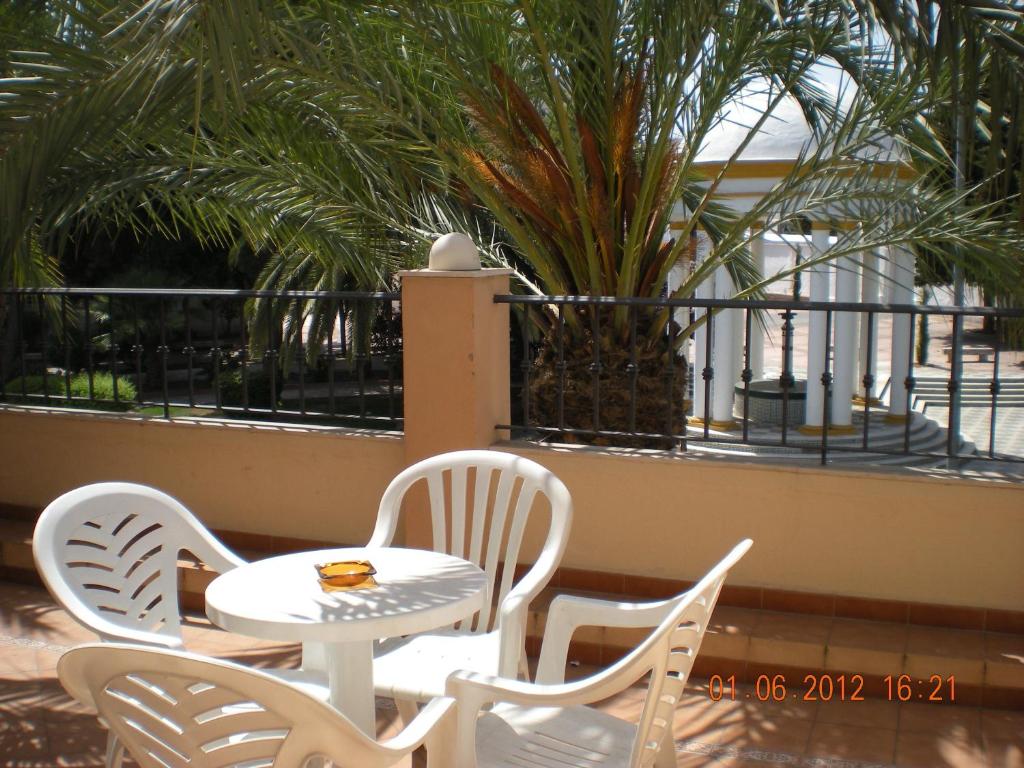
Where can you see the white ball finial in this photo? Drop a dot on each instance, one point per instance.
(454, 251)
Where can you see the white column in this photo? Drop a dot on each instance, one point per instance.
(844, 355)
(756, 331)
(900, 274)
(705, 290)
(724, 353)
(816, 340)
(869, 283)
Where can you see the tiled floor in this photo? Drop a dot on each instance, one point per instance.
(41, 727)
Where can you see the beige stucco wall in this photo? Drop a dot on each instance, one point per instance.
(282, 480)
(893, 536)
(898, 535)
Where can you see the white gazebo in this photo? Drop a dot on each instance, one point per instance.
(766, 159)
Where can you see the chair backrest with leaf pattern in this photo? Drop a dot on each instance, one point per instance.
(171, 708)
(108, 553)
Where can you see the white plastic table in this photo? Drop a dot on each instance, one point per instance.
(280, 599)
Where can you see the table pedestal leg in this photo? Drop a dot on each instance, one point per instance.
(350, 672)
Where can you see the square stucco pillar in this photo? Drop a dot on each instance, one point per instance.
(455, 359)
(455, 367)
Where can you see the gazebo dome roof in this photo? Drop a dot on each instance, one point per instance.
(783, 137)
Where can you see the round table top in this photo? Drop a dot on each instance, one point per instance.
(280, 598)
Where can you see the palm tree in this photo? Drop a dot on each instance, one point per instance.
(565, 131)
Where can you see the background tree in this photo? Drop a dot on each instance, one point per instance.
(335, 138)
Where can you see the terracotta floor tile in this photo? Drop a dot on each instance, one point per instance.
(790, 640)
(787, 626)
(937, 641)
(18, 664)
(877, 635)
(49, 729)
(848, 742)
(933, 750)
(1004, 660)
(950, 720)
(775, 735)
(1002, 724)
(866, 647)
(870, 713)
(82, 736)
(1005, 754)
(82, 760)
(23, 738)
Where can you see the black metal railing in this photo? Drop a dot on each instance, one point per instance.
(563, 345)
(316, 357)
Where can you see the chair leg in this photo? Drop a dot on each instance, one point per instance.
(115, 751)
(407, 710)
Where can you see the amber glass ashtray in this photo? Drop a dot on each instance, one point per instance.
(345, 575)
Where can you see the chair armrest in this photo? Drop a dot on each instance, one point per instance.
(474, 691)
(512, 613)
(113, 633)
(433, 726)
(567, 613)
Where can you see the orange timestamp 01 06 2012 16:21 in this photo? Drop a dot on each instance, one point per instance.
(826, 687)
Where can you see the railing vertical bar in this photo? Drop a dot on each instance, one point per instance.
(20, 319)
(44, 351)
(343, 330)
(561, 366)
(869, 378)
(189, 352)
(670, 377)
(786, 380)
(908, 384)
(90, 368)
(113, 348)
(137, 352)
(524, 365)
(685, 387)
(748, 374)
(4, 319)
(244, 357)
(826, 383)
(299, 325)
(360, 358)
(633, 372)
(709, 372)
(952, 438)
(215, 353)
(66, 341)
(595, 366)
(164, 353)
(330, 360)
(994, 389)
(389, 359)
(270, 356)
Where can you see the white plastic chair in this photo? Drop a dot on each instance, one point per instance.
(468, 524)
(548, 724)
(108, 553)
(175, 709)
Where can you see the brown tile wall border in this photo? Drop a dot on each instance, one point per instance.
(924, 614)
